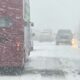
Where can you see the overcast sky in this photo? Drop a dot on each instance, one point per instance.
(55, 14)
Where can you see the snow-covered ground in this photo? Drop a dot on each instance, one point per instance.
(51, 50)
(51, 62)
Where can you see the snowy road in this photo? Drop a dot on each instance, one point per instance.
(52, 50)
(51, 62)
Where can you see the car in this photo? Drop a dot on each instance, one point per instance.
(64, 36)
(46, 36)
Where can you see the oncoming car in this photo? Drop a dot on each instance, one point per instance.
(64, 36)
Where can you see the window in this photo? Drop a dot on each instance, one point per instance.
(5, 22)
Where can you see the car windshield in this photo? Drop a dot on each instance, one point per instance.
(40, 39)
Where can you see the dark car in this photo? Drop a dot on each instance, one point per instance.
(64, 36)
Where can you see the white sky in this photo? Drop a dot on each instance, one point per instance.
(55, 14)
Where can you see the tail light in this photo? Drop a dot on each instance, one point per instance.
(18, 46)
